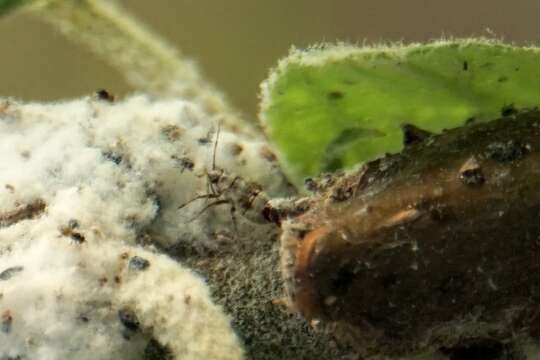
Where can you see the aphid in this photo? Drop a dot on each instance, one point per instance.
(435, 249)
(240, 194)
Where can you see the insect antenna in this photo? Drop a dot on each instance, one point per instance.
(214, 155)
(211, 191)
(215, 146)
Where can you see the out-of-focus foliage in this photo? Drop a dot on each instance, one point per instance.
(8, 5)
(331, 107)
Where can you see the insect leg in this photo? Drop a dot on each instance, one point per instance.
(205, 196)
(233, 218)
(208, 206)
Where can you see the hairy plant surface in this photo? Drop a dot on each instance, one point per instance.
(333, 106)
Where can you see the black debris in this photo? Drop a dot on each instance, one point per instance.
(155, 351)
(508, 110)
(138, 263)
(470, 120)
(185, 163)
(413, 135)
(128, 319)
(73, 223)
(335, 95)
(114, 157)
(104, 95)
(77, 237)
(10, 272)
(472, 177)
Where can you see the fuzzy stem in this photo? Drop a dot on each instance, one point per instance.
(147, 62)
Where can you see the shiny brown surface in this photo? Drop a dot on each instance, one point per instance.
(306, 294)
(422, 257)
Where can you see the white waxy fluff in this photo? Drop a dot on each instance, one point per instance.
(82, 185)
(62, 299)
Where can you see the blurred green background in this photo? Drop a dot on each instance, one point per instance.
(237, 41)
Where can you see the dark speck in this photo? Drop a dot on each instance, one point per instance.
(10, 272)
(73, 224)
(138, 263)
(77, 237)
(508, 110)
(172, 132)
(472, 177)
(470, 120)
(104, 95)
(413, 135)
(185, 163)
(155, 351)
(465, 65)
(335, 95)
(115, 158)
(7, 321)
(128, 319)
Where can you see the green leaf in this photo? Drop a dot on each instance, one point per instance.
(8, 5)
(315, 98)
(334, 153)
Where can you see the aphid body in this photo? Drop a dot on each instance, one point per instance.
(241, 195)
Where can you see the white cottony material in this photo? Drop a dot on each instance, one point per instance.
(127, 162)
(83, 186)
(65, 301)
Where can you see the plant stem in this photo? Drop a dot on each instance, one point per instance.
(147, 62)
